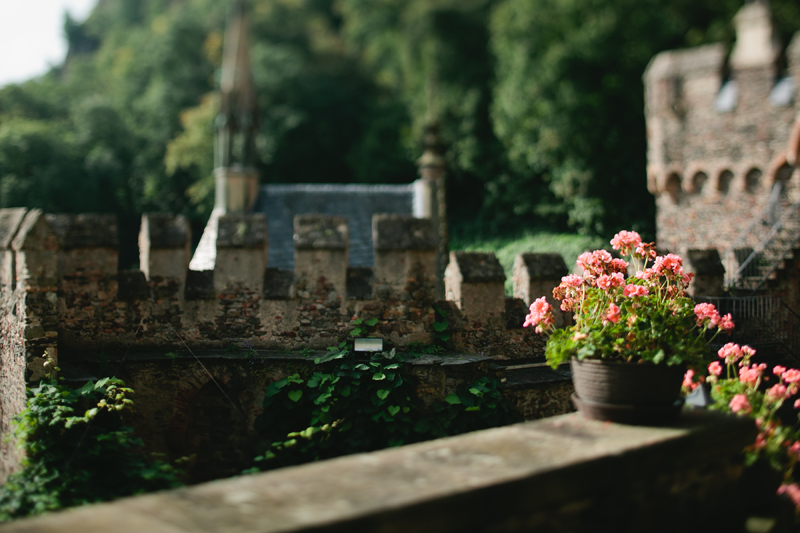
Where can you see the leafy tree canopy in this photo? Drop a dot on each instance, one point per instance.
(540, 103)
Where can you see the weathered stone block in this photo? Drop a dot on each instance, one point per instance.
(88, 243)
(164, 242)
(87, 230)
(397, 232)
(10, 220)
(320, 255)
(536, 275)
(36, 247)
(320, 232)
(405, 257)
(516, 310)
(709, 273)
(475, 282)
(241, 252)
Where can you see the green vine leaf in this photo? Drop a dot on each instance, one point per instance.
(383, 393)
(452, 399)
(295, 395)
(378, 377)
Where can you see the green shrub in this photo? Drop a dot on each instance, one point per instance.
(77, 451)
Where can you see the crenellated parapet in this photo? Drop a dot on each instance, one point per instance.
(84, 304)
(63, 301)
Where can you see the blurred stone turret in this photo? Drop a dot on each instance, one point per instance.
(430, 196)
(757, 43)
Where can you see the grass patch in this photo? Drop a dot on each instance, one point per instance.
(570, 246)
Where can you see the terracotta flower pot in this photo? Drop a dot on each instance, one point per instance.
(628, 393)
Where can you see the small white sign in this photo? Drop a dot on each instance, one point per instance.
(369, 345)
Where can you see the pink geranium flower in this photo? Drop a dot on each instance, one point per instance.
(613, 313)
(715, 368)
(632, 290)
(730, 352)
(617, 279)
(625, 241)
(792, 490)
(604, 282)
(751, 374)
(777, 392)
(791, 376)
(726, 323)
(706, 314)
(618, 266)
(688, 380)
(740, 403)
(541, 315)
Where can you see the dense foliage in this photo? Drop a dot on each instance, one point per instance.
(540, 102)
(351, 405)
(77, 450)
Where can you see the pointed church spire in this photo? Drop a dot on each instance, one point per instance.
(237, 122)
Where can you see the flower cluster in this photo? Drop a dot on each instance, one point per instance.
(541, 315)
(749, 389)
(645, 316)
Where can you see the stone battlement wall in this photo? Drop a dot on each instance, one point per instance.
(722, 130)
(67, 294)
(63, 302)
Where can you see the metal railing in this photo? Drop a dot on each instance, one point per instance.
(763, 246)
(763, 322)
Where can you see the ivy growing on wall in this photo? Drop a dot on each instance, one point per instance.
(78, 450)
(350, 406)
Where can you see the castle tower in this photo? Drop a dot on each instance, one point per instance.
(721, 148)
(237, 122)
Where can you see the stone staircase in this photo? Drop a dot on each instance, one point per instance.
(764, 247)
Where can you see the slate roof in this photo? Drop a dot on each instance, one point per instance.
(356, 202)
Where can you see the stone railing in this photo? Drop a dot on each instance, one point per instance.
(559, 474)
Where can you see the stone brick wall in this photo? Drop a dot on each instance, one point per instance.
(713, 160)
(64, 300)
(28, 316)
(165, 306)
